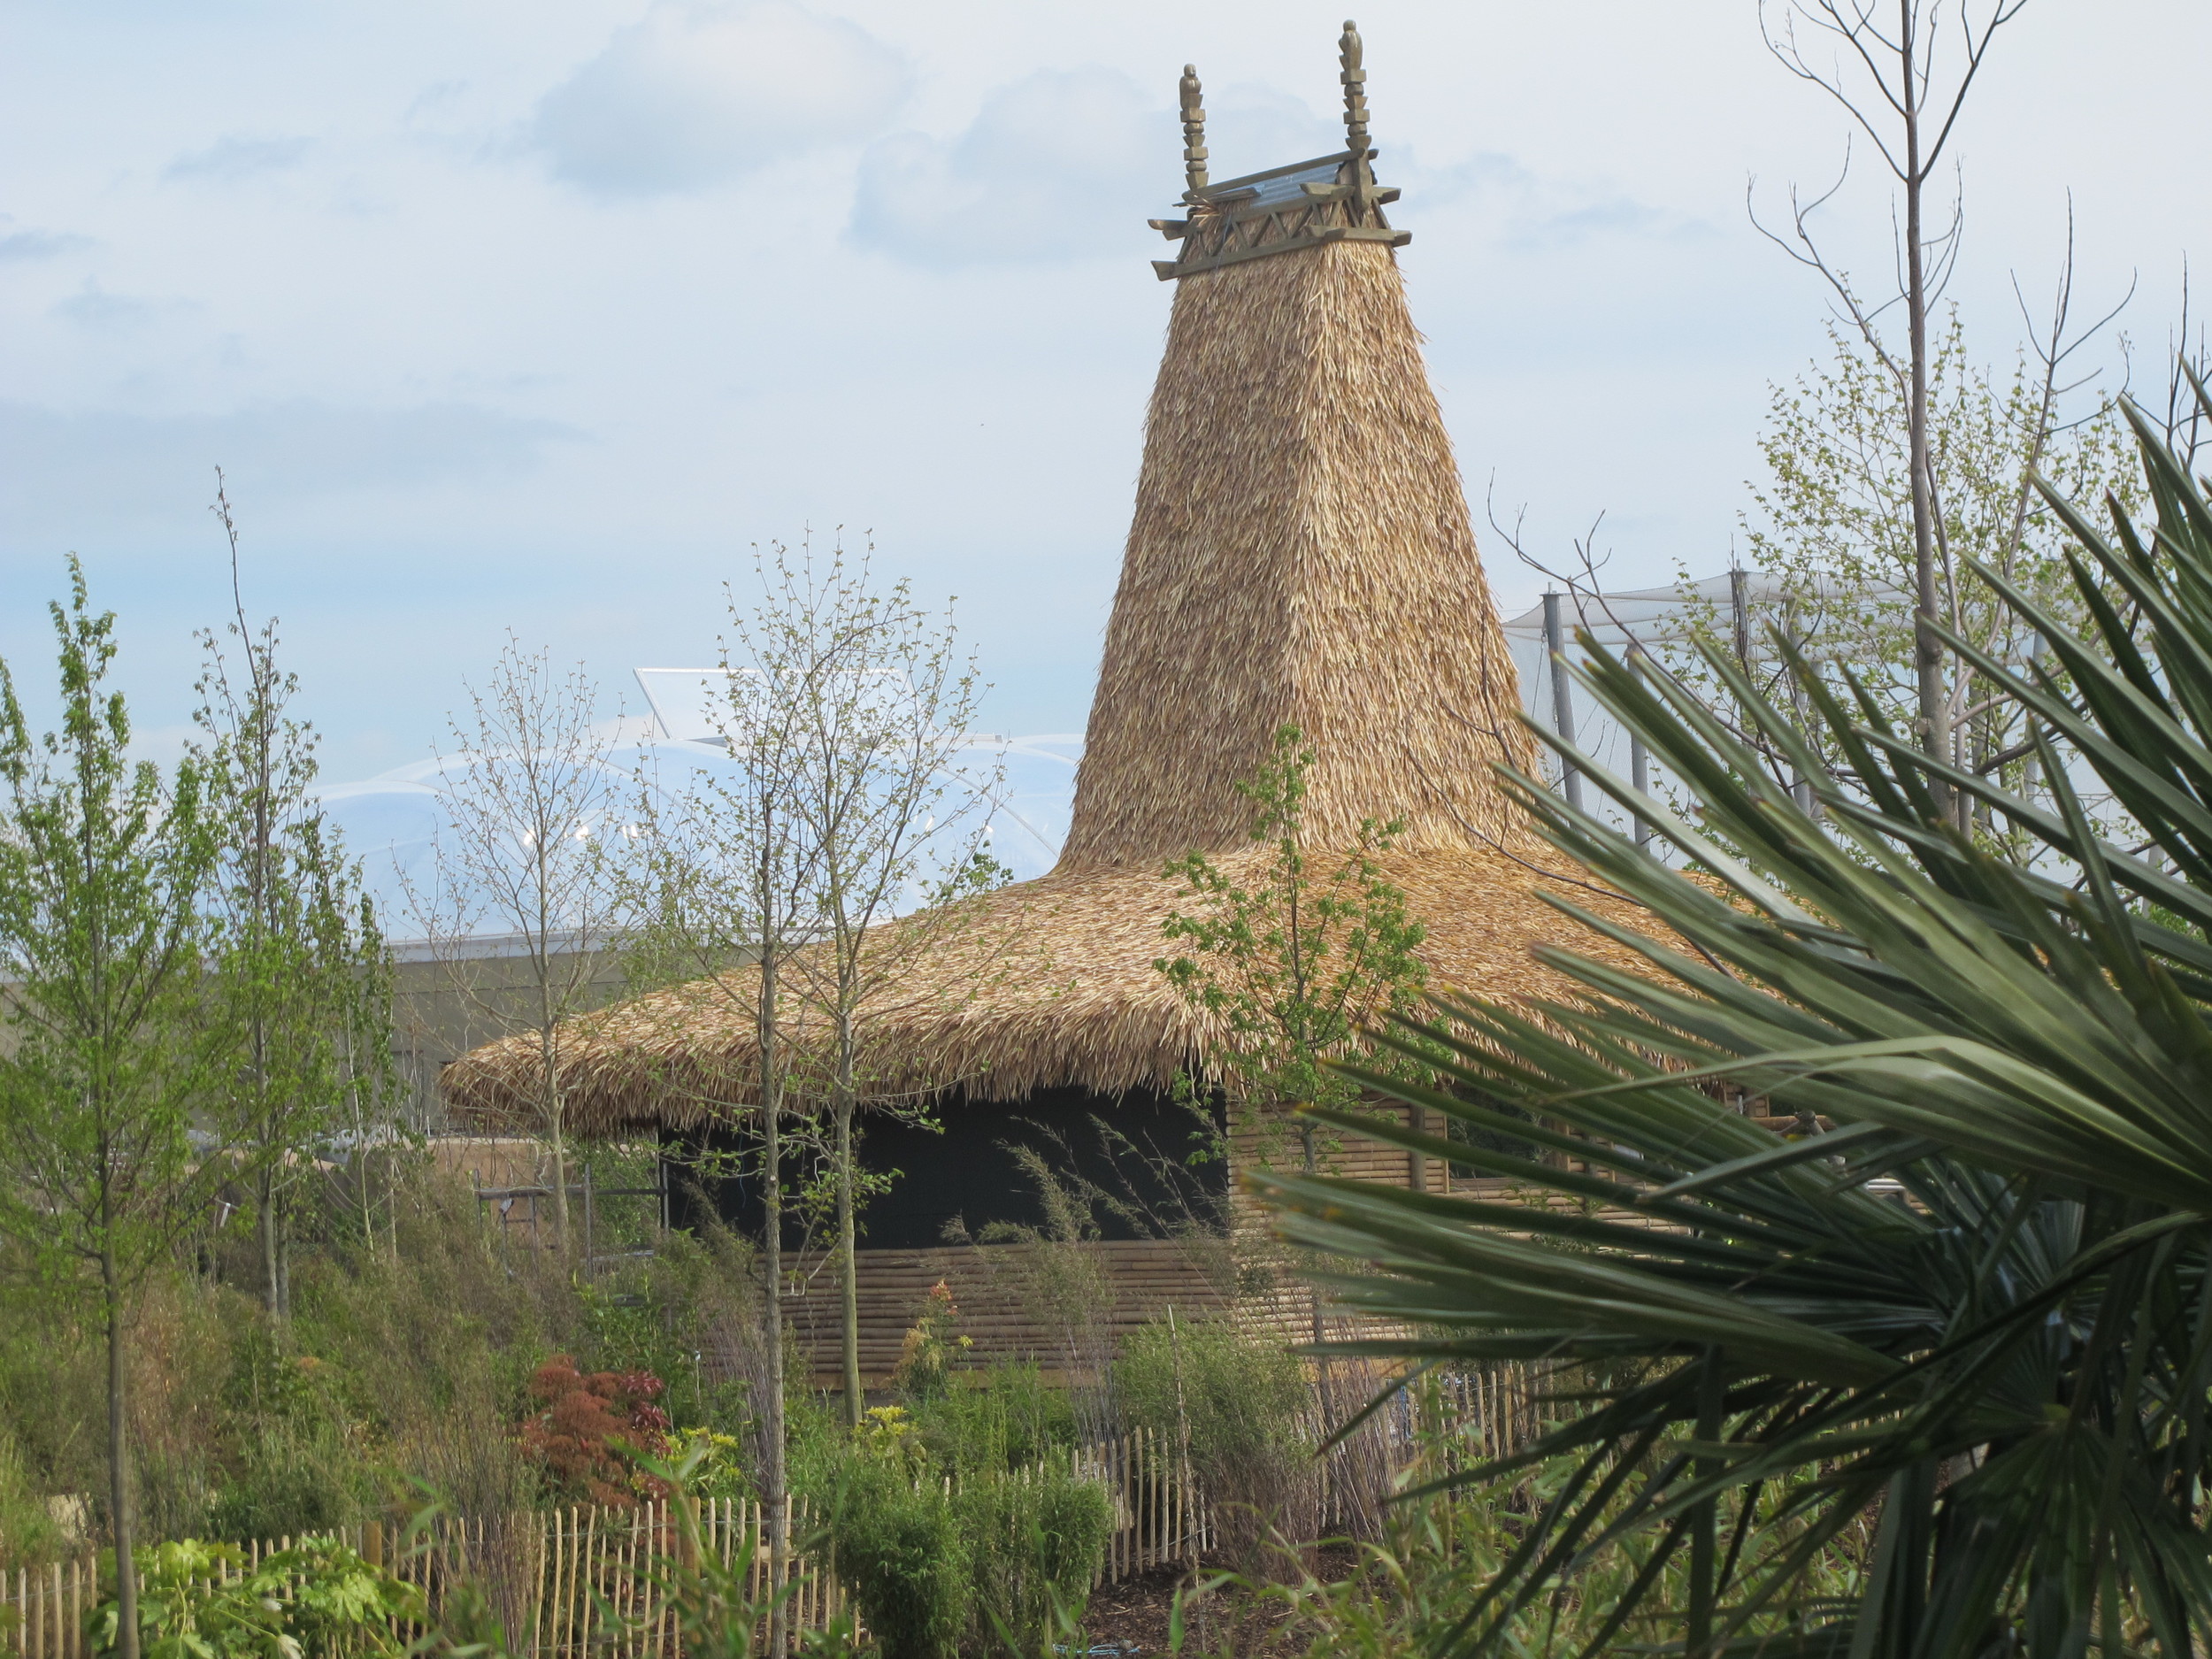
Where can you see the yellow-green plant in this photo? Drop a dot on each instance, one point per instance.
(320, 1596)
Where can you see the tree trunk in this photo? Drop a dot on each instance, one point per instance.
(847, 1259)
(777, 1496)
(556, 1143)
(1927, 648)
(119, 1465)
(265, 1197)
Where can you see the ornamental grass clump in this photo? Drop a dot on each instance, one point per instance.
(1240, 1398)
(1034, 1542)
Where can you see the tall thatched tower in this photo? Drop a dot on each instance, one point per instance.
(1300, 553)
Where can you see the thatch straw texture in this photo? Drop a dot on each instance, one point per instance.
(1300, 553)
(1048, 982)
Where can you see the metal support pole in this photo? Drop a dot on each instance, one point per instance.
(1563, 708)
(1638, 757)
(1800, 786)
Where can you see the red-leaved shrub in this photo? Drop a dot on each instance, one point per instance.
(581, 1420)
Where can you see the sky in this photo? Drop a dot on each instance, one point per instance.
(535, 316)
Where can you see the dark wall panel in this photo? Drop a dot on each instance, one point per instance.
(1128, 1157)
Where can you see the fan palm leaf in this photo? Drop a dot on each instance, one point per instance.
(1975, 1318)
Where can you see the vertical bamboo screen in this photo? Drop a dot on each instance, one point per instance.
(561, 1576)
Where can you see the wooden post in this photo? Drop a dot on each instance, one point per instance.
(1194, 112)
(1182, 1435)
(587, 1218)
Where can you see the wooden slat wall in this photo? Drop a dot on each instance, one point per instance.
(1146, 1277)
(989, 1286)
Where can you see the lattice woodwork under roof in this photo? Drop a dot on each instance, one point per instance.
(1329, 198)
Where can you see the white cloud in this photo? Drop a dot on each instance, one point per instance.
(40, 244)
(1061, 164)
(694, 96)
(134, 463)
(93, 307)
(232, 158)
(1529, 213)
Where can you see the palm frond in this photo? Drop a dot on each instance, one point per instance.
(1980, 1309)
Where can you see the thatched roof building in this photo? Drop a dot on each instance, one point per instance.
(1300, 553)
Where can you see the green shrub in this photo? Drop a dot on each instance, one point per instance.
(317, 1597)
(27, 1533)
(1244, 1397)
(1034, 1542)
(295, 1479)
(1004, 1416)
(899, 1547)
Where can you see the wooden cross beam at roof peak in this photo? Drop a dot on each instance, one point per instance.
(1306, 205)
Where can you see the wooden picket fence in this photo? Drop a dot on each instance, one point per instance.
(550, 1573)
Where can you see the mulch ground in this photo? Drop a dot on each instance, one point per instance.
(1131, 1617)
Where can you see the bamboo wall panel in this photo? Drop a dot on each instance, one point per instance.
(988, 1282)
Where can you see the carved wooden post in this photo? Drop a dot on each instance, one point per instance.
(1349, 54)
(1194, 132)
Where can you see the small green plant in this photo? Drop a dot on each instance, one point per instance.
(935, 1342)
(27, 1530)
(1242, 1397)
(1008, 1418)
(899, 1546)
(316, 1598)
(1034, 1544)
(888, 1435)
(714, 1464)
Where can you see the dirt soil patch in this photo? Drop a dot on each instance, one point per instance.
(1131, 1617)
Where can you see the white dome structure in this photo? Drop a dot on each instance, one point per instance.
(394, 822)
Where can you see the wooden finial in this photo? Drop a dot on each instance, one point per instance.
(1354, 79)
(1194, 129)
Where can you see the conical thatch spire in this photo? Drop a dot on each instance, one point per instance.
(1300, 553)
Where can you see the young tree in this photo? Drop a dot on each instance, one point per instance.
(1833, 543)
(721, 895)
(881, 705)
(298, 965)
(531, 800)
(104, 925)
(1904, 105)
(1292, 956)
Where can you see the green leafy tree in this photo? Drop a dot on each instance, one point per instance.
(1902, 72)
(1972, 1316)
(299, 962)
(720, 888)
(1834, 545)
(1291, 956)
(104, 869)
